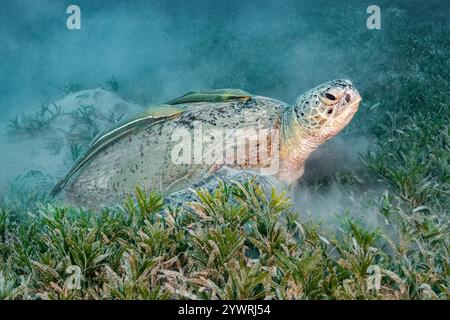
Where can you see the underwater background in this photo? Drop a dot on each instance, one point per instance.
(370, 219)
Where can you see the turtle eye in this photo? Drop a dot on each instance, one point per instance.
(330, 96)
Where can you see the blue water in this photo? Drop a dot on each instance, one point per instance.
(158, 50)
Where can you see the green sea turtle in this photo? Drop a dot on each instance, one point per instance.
(181, 143)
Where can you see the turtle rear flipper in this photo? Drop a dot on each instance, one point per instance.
(219, 95)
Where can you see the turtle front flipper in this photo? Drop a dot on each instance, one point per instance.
(151, 116)
(219, 95)
(211, 182)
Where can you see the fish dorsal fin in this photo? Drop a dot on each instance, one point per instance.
(152, 115)
(219, 95)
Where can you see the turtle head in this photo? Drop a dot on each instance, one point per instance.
(316, 116)
(325, 110)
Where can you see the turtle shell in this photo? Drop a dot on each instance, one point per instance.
(150, 156)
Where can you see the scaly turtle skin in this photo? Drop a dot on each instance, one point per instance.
(143, 151)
